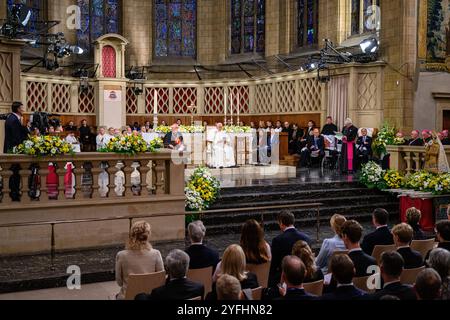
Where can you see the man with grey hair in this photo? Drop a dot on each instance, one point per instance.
(228, 288)
(201, 256)
(178, 287)
(440, 261)
(428, 285)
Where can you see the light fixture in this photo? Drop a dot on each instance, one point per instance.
(369, 45)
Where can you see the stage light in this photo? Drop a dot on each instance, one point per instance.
(369, 45)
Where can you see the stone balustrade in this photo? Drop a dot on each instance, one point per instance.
(103, 185)
(409, 159)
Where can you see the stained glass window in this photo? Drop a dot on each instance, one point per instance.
(248, 26)
(307, 22)
(175, 28)
(37, 8)
(364, 16)
(98, 17)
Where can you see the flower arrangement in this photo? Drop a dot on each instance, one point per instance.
(419, 181)
(202, 190)
(399, 141)
(163, 129)
(44, 146)
(183, 129)
(385, 137)
(237, 129)
(132, 144)
(372, 175)
(393, 179)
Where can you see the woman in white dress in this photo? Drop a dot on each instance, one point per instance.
(223, 153)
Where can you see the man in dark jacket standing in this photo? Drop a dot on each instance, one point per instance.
(15, 132)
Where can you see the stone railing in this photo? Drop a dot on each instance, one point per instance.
(409, 159)
(102, 185)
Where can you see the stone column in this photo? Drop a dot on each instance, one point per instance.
(272, 27)
(57, 11)
(3, 10)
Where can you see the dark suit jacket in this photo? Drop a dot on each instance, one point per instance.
(329, 130)
(413, 259)
(180, 289)
(202, 257)
(382, 236)
(416, 143)
(282, 247)
(168, 139)
(297, 295)
(15, 133)
(362, 262)
(446, 141)
(320, 144)
(362, 145)
(403, 292)
(344, 293)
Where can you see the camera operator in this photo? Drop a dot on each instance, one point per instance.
(15, 131)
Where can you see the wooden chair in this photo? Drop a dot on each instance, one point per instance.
(423, 246)
(409, 276)
(261, 271)
(144, 283)
(379, 250)
(338, 252)
(315, 288)
(203, 276)
(361, 283)
(257, 293)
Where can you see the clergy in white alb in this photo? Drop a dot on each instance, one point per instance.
(222, 150)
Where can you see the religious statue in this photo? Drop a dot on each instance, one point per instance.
(435, 157)
(222, 150)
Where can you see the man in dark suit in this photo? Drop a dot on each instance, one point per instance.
(391, 268)
(173, 138)
(329, 129)
(178, 287)
(382, 235)
(283, 244)
(351, 235)
(415, 141)
(428, 285)
(364, 148)
(343, 270)
(15, 132)
(200, 255)
(293, 275)
(403, 234)
(315, 147)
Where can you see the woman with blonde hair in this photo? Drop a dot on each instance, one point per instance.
(303, 251)
(233, 263)
(331, 245)
(138, 258)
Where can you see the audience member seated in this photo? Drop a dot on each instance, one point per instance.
(292, 279)
(391, 268)
(315, 148)
(428, 285)
(351, 235)
(415, 140)
(440, 261)
(256, 249)
(364, 148)
(343, 270)
(233, 263)
(333, 244)
(443, 234)
(228, 288)
(102, 139)
(200, 255)
(403, 234)
(413, 217)
(426, 135)
(294, 139)
(178, 287)
(282, 245)
(287, 128)
(445, 138)
(303, 251)
(329, 129)
(382, 235)
(71, 126)
(138, 258)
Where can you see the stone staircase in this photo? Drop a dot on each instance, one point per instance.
(347, 198)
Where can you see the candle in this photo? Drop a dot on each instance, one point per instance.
(226, 107)
(238, 107)
(155, 103)
(232, 106)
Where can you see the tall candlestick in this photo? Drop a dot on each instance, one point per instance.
(232, 106)
(238, 107)
(155, 109)
(225, 98)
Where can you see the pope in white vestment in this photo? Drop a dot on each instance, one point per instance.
(222, 150)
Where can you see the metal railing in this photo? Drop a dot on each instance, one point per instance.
(54, 223)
